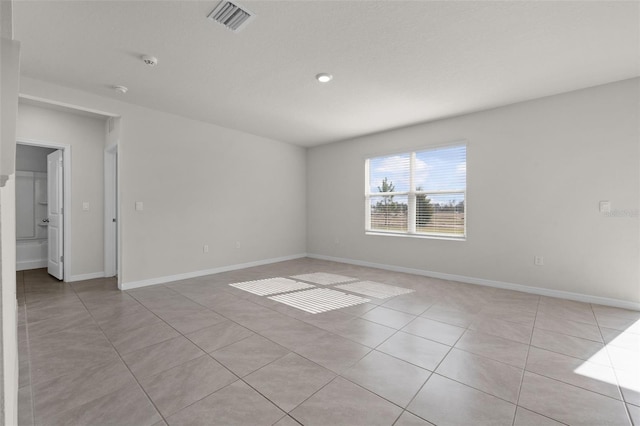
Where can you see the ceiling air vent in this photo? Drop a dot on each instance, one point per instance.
(231, 15)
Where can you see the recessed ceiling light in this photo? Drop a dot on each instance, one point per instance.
(323, 77)
(121, 89)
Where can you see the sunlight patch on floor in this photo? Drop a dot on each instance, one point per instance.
(623, 354)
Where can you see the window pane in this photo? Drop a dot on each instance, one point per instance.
(441, 169)
(389, 213)
(441, 214)
(389, 174)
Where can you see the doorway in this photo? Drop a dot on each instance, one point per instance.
(43, 176)
(111, 219)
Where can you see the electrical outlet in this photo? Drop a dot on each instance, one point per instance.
(538, 260)
(205, 248)
(237, 244)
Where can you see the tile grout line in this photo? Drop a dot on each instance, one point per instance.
(570, 356)
(374, 349)
(242, 378)
(227, 368)
(294, 318)
(434, 372)
(467, 328)
(615, 372)
(542, 375)
(575, 386)
(298, 354)
(568, 320)
(271, 362)
(314, 393)
(524, 368)
(204, 351)
(28, 340)
(26, 329)
(145, 307)
(583, 360)
(121, 360)
(221, 364)
(329, 332)
(195, 344)
(530, 339)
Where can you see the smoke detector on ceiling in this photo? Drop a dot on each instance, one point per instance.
(231, 15)
(152, 61)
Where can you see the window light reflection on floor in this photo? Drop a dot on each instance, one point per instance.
(622, 354)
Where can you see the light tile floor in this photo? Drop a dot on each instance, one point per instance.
(202, 352)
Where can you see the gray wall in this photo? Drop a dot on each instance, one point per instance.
(536, 172)
(32, 158)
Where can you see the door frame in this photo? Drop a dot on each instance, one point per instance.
(66, 198)
(112, 261)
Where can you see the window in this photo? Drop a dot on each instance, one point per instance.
(418, 193)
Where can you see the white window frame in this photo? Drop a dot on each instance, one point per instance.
(411, 199)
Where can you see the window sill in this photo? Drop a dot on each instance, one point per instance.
(419, 236)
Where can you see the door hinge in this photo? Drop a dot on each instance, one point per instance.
(61, 258)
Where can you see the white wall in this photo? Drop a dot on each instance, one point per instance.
(536, 172)
(204, 184)
(86, 136)
(113, 128)
(9, 394)
(9, 77)
(200, 184)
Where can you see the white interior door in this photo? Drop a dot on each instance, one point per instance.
(55, 214)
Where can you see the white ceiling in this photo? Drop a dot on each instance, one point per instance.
(394, 62)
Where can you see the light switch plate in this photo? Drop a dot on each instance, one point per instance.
(605, 206)
(85, 206)
(139, 206)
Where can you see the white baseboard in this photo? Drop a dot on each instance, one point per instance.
(31, 264)
(170, 278)
(82, 277)
(625, 304)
